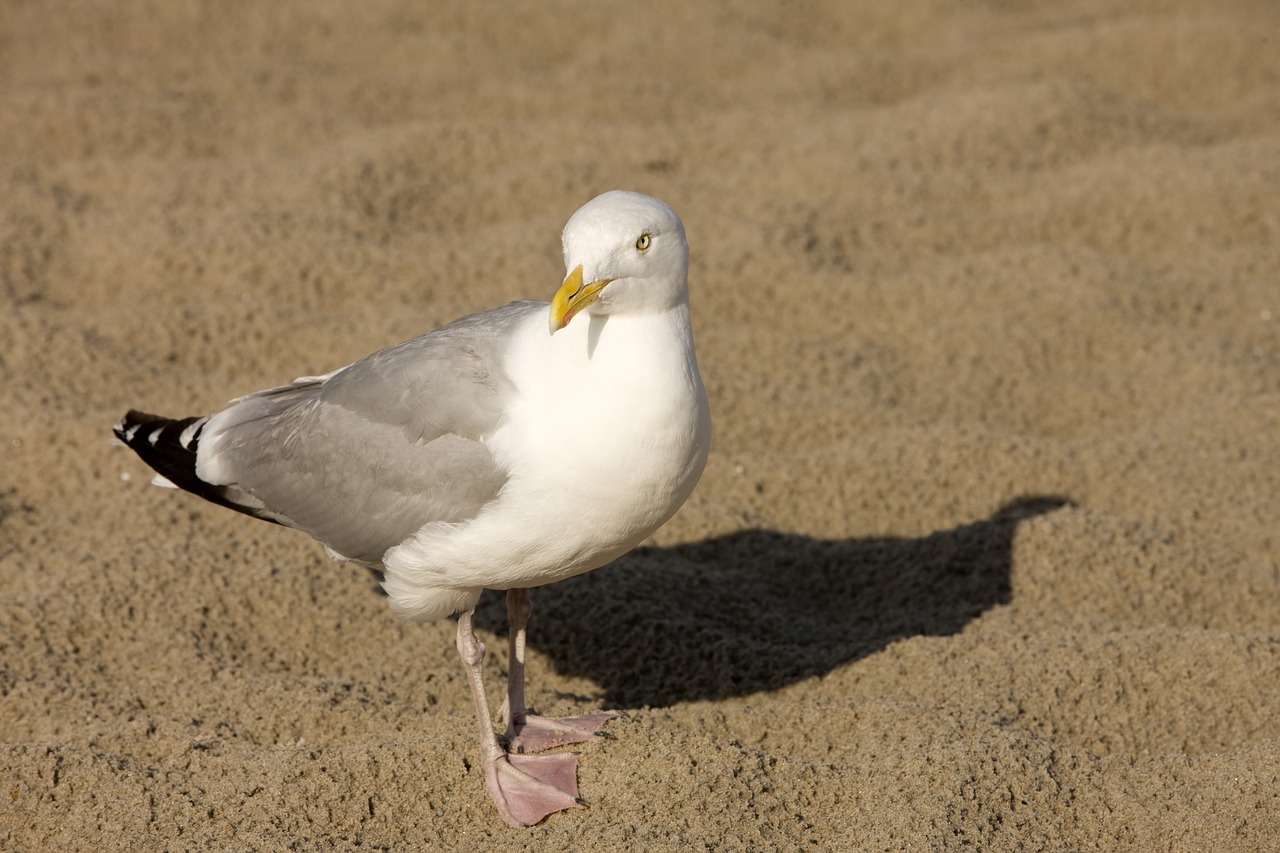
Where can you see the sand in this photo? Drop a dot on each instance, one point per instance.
(987, 299)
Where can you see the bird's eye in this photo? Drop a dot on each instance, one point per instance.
(643, 242)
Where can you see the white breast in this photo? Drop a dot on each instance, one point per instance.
(606, 438)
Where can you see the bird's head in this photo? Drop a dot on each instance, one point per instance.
(624, 252)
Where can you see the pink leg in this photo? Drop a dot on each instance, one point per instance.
(527, 732)
(525, 788)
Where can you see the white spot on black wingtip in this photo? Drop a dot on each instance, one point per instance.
(189, 435)
(170, 447)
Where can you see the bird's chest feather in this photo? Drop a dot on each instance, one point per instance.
(617, 439)
(632, 433)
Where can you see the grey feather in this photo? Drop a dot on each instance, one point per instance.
(364, 457)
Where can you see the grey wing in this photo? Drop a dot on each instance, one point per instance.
(364, 457)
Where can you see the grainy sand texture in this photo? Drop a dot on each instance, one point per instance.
(987, 300)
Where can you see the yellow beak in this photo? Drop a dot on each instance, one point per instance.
(572, 297)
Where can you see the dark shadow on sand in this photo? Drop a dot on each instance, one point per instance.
(757, 610)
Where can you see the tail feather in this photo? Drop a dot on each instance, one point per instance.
(170, 446)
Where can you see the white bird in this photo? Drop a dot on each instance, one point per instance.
(493, 452)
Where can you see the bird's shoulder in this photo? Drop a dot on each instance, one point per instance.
(451, 379)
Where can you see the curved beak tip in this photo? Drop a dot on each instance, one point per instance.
(571, 298)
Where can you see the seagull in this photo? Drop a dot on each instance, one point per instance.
(509, 449)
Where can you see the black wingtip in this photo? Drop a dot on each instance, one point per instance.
(170, 446)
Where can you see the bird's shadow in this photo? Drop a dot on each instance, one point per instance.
(756, 610)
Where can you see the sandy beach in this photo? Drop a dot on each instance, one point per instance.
(987, 302)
